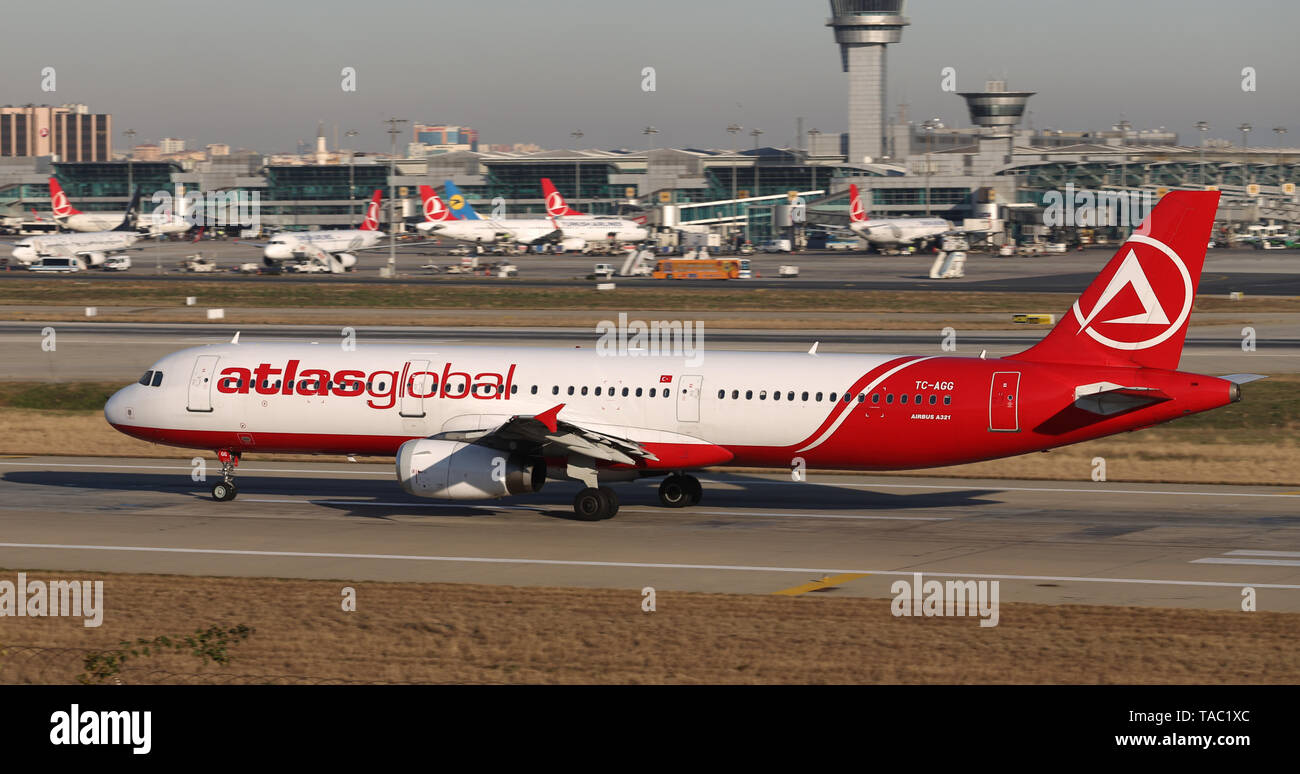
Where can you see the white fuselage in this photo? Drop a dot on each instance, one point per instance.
(68, 245)
(299, 398)
(104, 221)
(289, 246)
(532, 230)
(900, 231)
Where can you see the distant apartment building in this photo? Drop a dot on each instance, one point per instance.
(437, 135)
(172, 145)
(146, 152)
(218, 149)
(70, 132)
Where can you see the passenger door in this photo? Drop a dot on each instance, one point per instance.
(688, 398)
(202, 378)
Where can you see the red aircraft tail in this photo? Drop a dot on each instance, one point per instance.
(1135, 313)
(59, 201)
(371, 223)
(556, 207)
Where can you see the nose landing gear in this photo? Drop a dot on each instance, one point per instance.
(225, 490)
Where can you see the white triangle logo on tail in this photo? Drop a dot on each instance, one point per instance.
(1130, 273)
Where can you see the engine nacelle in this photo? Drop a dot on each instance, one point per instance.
(345, 260)
(573, 244)
(453, 470)
(93, 259)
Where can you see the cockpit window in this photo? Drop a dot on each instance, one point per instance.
(157, 378)
(148, 376)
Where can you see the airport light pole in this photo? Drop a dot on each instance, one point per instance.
(813, 134)
(577, 168)
(130, 155)
(393, 131)
(756, 133)
(1123, 127)
(733, 130)
(352, 184)
(1202, 127)
(929, 126)
(1245, 130)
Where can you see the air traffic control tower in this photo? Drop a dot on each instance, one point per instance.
(863, 28)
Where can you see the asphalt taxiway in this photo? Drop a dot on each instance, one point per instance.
(1069, 542)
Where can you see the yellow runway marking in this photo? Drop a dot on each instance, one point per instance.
(825, 584)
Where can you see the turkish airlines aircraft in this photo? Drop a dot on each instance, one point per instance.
(330, 249)
(73, 219)
(439, 221)
(892, 233)
(469, 423)
(595, 227)
(93, 247)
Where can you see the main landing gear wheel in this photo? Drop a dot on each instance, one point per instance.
(680, 491)
(224, 491)
(595, 504)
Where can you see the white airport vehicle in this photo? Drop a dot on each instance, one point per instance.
(116, 263)
(57, 265)
(1055, 248)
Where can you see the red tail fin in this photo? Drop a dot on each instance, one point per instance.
(371, 223)
(434, 209)
(555, 204)
(857, 213)
(59, 201)
(1135, 313)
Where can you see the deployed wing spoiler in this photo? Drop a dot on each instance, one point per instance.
(547, 429)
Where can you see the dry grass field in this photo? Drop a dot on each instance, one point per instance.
(443, 633)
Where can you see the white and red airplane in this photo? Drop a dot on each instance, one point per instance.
(892, 233)
(467, 422)
(73, 219)
(574, 233)
(329, 250)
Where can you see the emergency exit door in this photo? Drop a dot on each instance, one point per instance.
(1004, 402)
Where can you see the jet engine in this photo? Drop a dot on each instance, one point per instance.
(453, 470)
(573, 244)
(93, 259)
(344, 262)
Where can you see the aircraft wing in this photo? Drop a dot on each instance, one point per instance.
(555, 436)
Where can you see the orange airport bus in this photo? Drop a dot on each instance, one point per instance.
(706, 268)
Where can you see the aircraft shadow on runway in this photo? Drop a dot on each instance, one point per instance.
(376, 499)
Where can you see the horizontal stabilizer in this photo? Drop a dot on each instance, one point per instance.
(1242, 378)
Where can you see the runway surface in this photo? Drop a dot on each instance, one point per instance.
(122, 351)
(1254, 272)
(1068, 542)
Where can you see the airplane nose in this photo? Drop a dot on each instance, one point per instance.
(118, 410)
(24, 253)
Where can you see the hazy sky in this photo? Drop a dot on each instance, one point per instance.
(262, 74)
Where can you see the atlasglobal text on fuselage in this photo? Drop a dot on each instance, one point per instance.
(468, 423)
